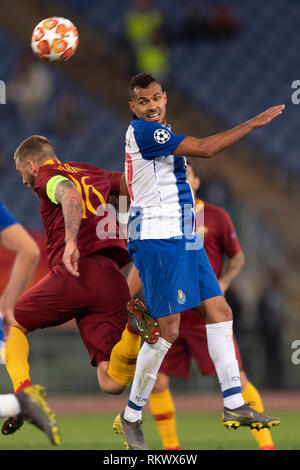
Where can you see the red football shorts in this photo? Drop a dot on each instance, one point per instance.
(96, 299)
(191, 343)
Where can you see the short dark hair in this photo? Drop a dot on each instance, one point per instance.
(141, 80)
(35, 146)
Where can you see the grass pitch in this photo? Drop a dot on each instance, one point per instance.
(197, 431)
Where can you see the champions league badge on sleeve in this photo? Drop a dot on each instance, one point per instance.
(161, 136)
(181, 298)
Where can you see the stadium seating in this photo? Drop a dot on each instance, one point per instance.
(233, 79)
(99, 138)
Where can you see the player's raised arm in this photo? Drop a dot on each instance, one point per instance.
(210, 146)
(70, 199)
(15, 238)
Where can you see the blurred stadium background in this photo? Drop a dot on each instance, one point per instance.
(222, 63)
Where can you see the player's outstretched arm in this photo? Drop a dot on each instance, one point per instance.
(210, 146)
(70, 199)
(17, 239)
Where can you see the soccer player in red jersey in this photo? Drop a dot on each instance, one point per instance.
(218, 233)
(84, 282)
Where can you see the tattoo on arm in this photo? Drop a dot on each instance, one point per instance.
(71, 201)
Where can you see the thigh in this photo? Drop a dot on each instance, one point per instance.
(208, 284)
(169, 274)
(102, 327)
(55, 299)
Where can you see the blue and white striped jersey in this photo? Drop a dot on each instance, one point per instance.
(162, 204)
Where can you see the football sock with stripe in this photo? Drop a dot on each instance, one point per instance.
(252, 396)
(163, 409)
(222, 352)
(148, 363)
(123, 357)
(17, 352)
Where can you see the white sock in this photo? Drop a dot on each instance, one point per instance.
(222, 352)
(9, 406)
(148, 363)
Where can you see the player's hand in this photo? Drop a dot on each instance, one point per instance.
(264, 118)
(71, 257)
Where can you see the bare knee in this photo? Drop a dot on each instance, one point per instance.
(161, 384)
(169, 327)
(216, 310)
(111, 388)
(225, 313)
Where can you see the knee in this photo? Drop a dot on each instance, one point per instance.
(15, 324)
(170, 335)
(225, 313)
(108, 384)
(111, 388)
(221, 313)
(169, 332)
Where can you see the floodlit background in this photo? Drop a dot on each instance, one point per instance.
(221, 63)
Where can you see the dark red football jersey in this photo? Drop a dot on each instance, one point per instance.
(216, 229)
(96, 231)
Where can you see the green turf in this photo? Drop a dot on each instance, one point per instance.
(196, 431)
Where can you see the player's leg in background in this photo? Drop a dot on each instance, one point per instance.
(163, 409)
(16, 358)
(252, 395)
(112, 344)
(116, 374)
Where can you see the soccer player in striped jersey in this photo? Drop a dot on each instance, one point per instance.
(169, 255)
(220, 239)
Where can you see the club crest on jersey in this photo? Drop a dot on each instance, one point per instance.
(161, 136)
(181, 298)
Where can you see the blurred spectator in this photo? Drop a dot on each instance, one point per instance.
(68, 116)
(145, 35)
(31, 88)
(141, 22)
(154, 57)
(271, 314)
(197, 25)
